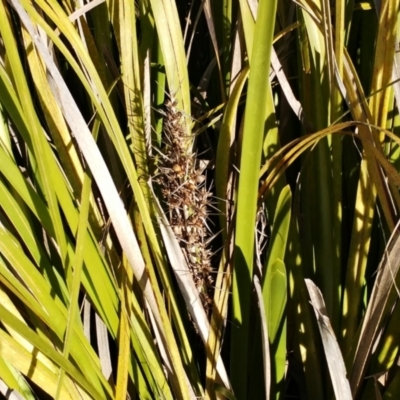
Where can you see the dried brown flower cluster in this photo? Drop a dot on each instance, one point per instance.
(183, 187)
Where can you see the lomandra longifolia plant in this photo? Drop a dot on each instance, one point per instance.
(105, 294)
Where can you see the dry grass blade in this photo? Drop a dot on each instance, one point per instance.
(387, 272)
(286, 88)
(334, 357)
(9, 394)
(396, 75)
(104, 347)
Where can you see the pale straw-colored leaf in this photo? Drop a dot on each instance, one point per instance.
(103, 346)
(284, 83)
(9, 394)
(333, 355)
(387, 271)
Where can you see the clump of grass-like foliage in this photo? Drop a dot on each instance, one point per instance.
(129, 270)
